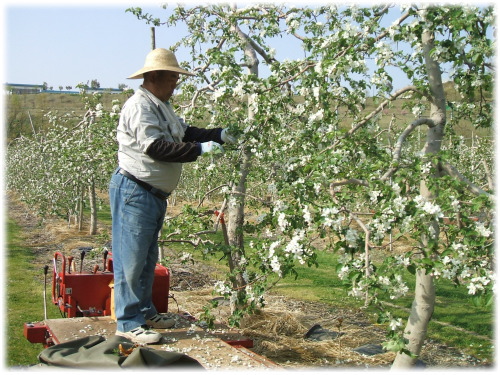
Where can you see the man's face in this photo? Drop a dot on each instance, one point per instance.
(166, 83)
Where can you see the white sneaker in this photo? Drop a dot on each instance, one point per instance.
(160, 322)
(141, 335)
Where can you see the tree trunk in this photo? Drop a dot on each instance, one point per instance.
(236, 211)
(423, 304)
(236, 202)
(416, 327)
(80, 211)
(93, 209)
(153, 38)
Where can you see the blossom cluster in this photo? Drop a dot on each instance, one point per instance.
(428, 207)
(394, 285)
(457, 264)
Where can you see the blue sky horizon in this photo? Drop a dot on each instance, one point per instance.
(64, 45)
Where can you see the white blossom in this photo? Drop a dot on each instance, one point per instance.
(356, 291)
(374, 195)
(318, 116)
(384, 280)
(472, 288)
(272, 248)
(483, 231)
(426, 168)
(316, 92)
(282, 221)
(275, 265)
(221, 288)
(295, 248)
(307, 215)
(403, 261)
(395, 324)
(428, 207)
(327, 214)
(344, 272)
(249, 292)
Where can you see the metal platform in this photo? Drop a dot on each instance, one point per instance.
(218, 349)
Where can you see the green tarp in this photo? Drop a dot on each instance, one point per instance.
(97, 352)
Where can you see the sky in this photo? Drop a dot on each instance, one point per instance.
(66, 45)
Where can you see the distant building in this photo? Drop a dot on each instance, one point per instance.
(58, 92)
(111, 91)
(19, 88)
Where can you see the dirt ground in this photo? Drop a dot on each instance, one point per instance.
(278, 330)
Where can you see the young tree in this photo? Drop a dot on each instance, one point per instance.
(312, 143)
(58, 170)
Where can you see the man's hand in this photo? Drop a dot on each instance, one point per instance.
(228, 137)
(211, 147)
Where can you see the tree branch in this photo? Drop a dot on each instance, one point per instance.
(399, 144)
(381, 107)
(263, 201)
(354, 181)
(210, 192)
(491, 184)
(367, 250)
(473, 188)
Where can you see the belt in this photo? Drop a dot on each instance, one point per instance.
(156, 192)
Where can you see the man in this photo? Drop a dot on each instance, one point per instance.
(153, 144)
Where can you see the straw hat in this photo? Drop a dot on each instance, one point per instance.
(160, 59)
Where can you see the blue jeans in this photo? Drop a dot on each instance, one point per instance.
(137, 217)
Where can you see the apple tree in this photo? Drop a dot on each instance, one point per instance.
(330, 129)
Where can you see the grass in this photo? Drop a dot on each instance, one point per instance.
(24, 298)
(456, 322)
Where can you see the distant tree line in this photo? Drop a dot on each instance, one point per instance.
(94, 84)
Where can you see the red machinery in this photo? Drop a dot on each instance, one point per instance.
(88, 294)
